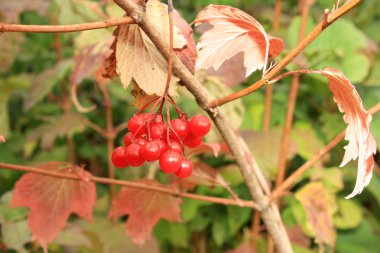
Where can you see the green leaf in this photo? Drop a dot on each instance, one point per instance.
(231, 174)
(72, 236)
(374, 187)
(363, 239)
(44, 83)
(15, 235)
(306, 140)
(110, 237)
(349, 214)
(237, 217)
(220, 230)
(11, 214)
(332, 178)
(7, 87)
(189, 208)
(176, 233)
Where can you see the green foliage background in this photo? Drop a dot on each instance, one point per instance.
(37, 130)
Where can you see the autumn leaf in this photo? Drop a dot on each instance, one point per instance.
(64, 125)
(320, 206)
(145, 208)
(361, 143)
(138, 58)
(214, 148)
(187, 54)
(2, 138)
(234, 31)
(89, 57)
(205, 175)
(51, 200)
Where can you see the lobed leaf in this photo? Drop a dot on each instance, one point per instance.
(145, 208)
(51, 200)
(234, 31)
(361, 144)
(138, 58)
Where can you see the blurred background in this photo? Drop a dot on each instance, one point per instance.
(42, 124)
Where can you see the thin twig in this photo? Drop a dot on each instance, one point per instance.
(285, 138)
(110, 133)
(138, 185)
(269, 88)
(65, 28)
(292, 179)
(170, 62)
(290, 56)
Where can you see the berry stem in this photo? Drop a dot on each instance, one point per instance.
(147, 104)
(170, 62)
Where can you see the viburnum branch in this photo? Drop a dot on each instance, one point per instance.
(110, 136)
(170, 62)
(65, 28)
(292, 99)
(269, 88)
(292, 179)
(269, 212)
(331, 18)
(138, 185)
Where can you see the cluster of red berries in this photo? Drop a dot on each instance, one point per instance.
(150, 139)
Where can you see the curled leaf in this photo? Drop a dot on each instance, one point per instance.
(361, 143)
(51, 200)
(234, 31)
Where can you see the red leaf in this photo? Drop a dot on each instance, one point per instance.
(234, 31)
(145, 208)
(51, 200)
(2, 138)
(361, 144)
(188, 53)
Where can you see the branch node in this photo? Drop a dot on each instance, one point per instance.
(325, 18)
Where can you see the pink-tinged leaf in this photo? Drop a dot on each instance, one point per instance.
(319, 205)
(145, 208)
(215, 148)
(187, 54)
(361, 144)
(89, 59)
(2, 138)
(232, 71)
(205, 175)
(51, 200)
(234, 31)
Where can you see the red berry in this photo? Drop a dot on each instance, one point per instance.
(186, 168)
(170, 161)
(140, 141)
(157, 129)
(162, 144)
(136, 124)
(128, 139)
(180, 129)
(175, 146)
(132, 155)
(199, 125)
(192, 141)
(150, 151)
(118, 158)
